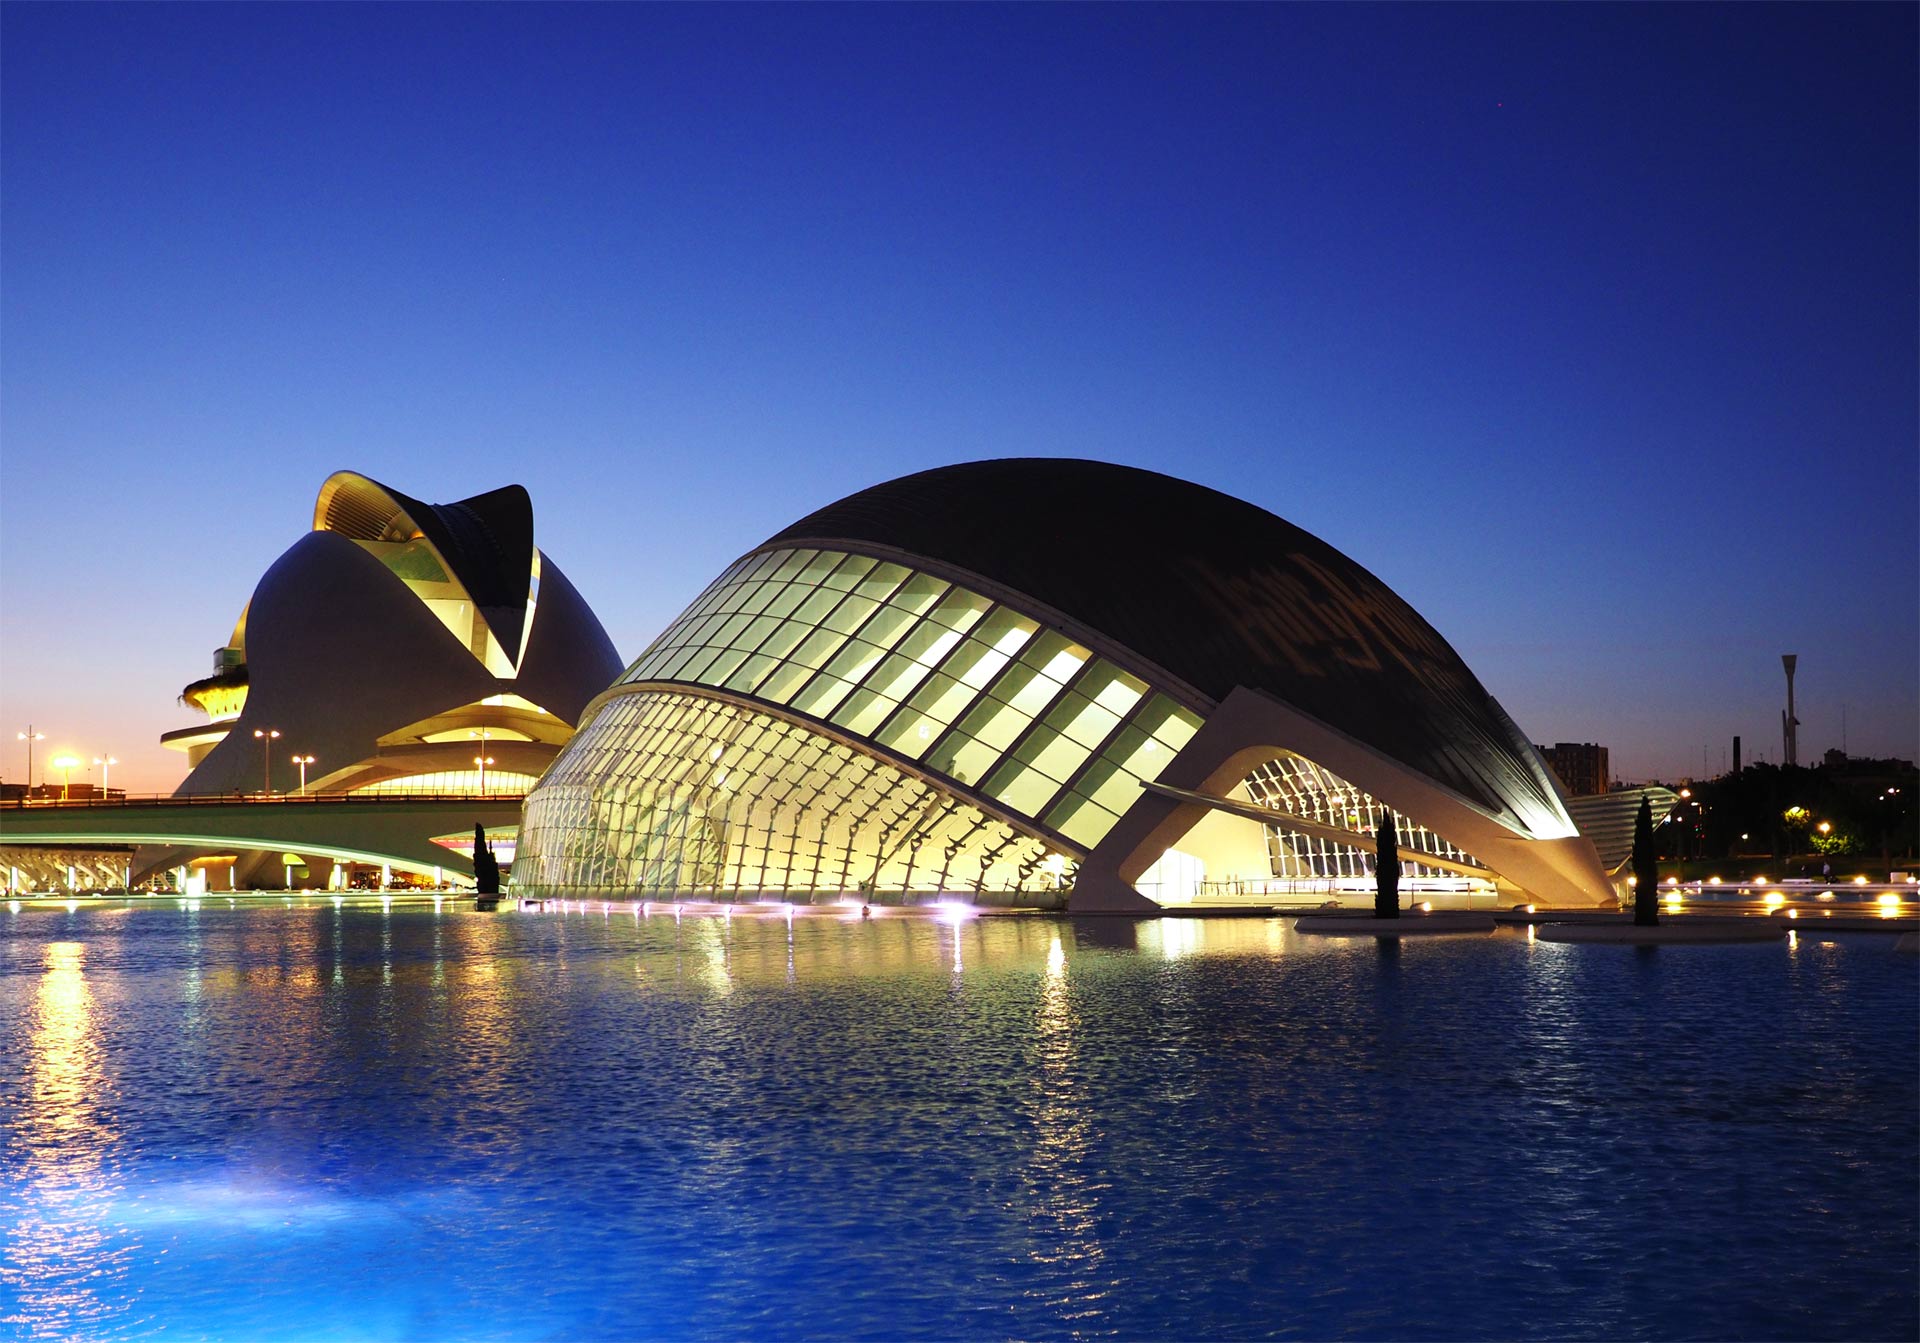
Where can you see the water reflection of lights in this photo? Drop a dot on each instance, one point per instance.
(1179, 937)
(57, 1254)
(1064, 1227)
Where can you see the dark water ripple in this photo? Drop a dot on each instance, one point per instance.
(317, 1123)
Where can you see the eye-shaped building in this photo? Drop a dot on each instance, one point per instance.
(1024, 681)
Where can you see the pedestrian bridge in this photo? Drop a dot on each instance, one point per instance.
(351, 828)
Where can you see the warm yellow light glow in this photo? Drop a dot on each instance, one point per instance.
(1793, 913)
(1889, 905)
(1673, 881)
(1713, 881)
(1773, 899)
(1859, 881)
(1674, 898)
(1826, 827)
(65, 761)
(1824, 895)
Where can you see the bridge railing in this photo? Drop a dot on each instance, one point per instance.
(242, 799)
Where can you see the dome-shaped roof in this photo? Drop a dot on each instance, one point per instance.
(1215, 591)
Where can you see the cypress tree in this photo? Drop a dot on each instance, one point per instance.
(1386, 869)
(1646, 870)
(486, 869)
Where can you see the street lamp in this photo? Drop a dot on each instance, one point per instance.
(267, 736)
(30, 737)
(1825, 827)
(65, 764)
(483, 761)
(303, 761)
(106, 763)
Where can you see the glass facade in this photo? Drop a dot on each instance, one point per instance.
(1297, 786)
(980, 697)
(974, 691)
(675, 793)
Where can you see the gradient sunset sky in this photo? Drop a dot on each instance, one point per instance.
(1589, 329)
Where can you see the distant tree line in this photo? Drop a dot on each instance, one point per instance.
(1856, 808)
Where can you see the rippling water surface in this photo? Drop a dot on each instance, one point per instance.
(322, 1123)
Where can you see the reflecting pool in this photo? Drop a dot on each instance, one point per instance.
(318, 1122)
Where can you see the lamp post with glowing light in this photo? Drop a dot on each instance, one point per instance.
(303, 761)
(267, 736)
(106, 763)
(65, 764)
(30, 737)
(483, 761)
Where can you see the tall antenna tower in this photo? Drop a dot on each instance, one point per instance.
(1789, 725)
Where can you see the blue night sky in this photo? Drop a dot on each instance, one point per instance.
(1591, 330)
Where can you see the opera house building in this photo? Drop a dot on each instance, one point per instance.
(399, 648)
(1018, 682)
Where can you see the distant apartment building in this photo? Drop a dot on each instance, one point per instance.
(1580, 766)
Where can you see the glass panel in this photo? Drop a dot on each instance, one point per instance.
(929, 643)
(850, 571)
(1166, 720)
(994, 723)
(854, 660)
(681, 658)
(863, 711)
(850, 614)
(791, 562)
(1080, 718)
(1025, 790)
(918, 593)
(818, 566)
(817, 647)
(1006, 630)
(781, 641)
(886, 626)
(723, 666)
(910, 733)
(757, 600)
(1112, 689)
(756, 632)
(785, 679)
(1080, 820)
(963, 758)
(880, 582)
(821, 695)
(896, 676)
(1055, 656)
(727, 632)
(786, 599)
(941, 698)
(816, 606)
(749, 674)
(959, 609)
(1060, 757)
(975, 663)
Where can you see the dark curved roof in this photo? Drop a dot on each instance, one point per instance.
(1214, 590)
